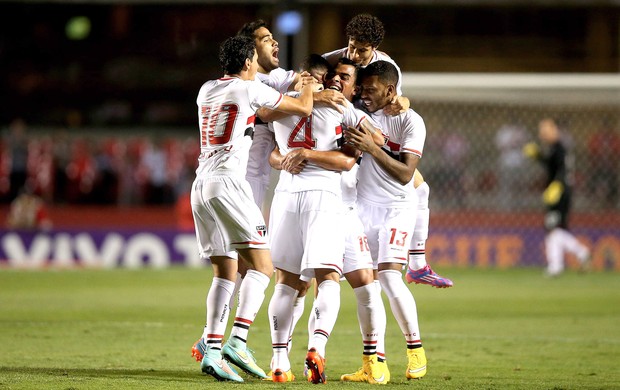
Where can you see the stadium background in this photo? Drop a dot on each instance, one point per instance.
(107, 107)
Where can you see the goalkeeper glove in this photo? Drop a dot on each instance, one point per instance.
(531, 150)
(553, 193)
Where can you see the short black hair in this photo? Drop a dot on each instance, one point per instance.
(347, 61)
(366, 28)
(249, 28)
(386, 71)
(234, 51)
(314, 61)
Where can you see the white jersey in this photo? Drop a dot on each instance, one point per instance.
(333, 56)
(322, 131)
(278, 79)
(226, 115)
(405, 133)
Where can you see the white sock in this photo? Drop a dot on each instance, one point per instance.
(298, 311)
(235, 294)
(402, 304)
(367, 314)
(554, 252)
(311, 322)
(281, 318)
(251, 297)
(382, 323)
(218, 310)
(326, 313)
(417, 250)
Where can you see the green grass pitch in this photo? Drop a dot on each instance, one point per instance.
(133, 329)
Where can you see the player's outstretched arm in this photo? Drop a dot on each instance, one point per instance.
(301, 105)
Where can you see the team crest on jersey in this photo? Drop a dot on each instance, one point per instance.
(262, 230)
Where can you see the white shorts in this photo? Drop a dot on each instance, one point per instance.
(356, 253)
(389, 231)
(226, 217)
(306, 232)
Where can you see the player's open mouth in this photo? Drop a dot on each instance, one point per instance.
(274, 54)
(335, 87)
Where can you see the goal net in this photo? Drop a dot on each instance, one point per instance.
(477, 125)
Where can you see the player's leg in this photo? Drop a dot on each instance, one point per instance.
(322, 225)
(281, 320)
(570, 243)
(359, 272)
(418, 270)
(212, 240)
(372, 322)
(402, 303)
(325, 312)
(237, 214)
(251, 297)
(404, 309)
(287, 253)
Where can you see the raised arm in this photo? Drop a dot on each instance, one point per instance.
(301, 105)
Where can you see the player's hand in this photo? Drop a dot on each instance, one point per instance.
(330, 98)
(531, 150)
(398, 105)
(306, 78)
(359, 139)
(295, 161)
(553, 193)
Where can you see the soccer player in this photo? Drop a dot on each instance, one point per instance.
(358, 265)
(229, 226)
(270, 73)
(556, 197)
(365, 33)
(307, 225)
(387, 200)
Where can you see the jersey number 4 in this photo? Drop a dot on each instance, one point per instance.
(301, 136)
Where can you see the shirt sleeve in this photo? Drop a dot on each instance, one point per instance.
(262, 95)
(414, 134)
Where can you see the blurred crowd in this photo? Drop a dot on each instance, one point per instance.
(69, 168)
(120, 167)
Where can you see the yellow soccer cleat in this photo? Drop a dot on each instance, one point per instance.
(416, 368)
(372, 371)
(385, 369)
(357, 376)
(377, 374)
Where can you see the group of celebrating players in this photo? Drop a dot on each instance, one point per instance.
(349, 202)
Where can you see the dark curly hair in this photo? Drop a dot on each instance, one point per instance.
(249, 28)
(366, 28)
(234, 51)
